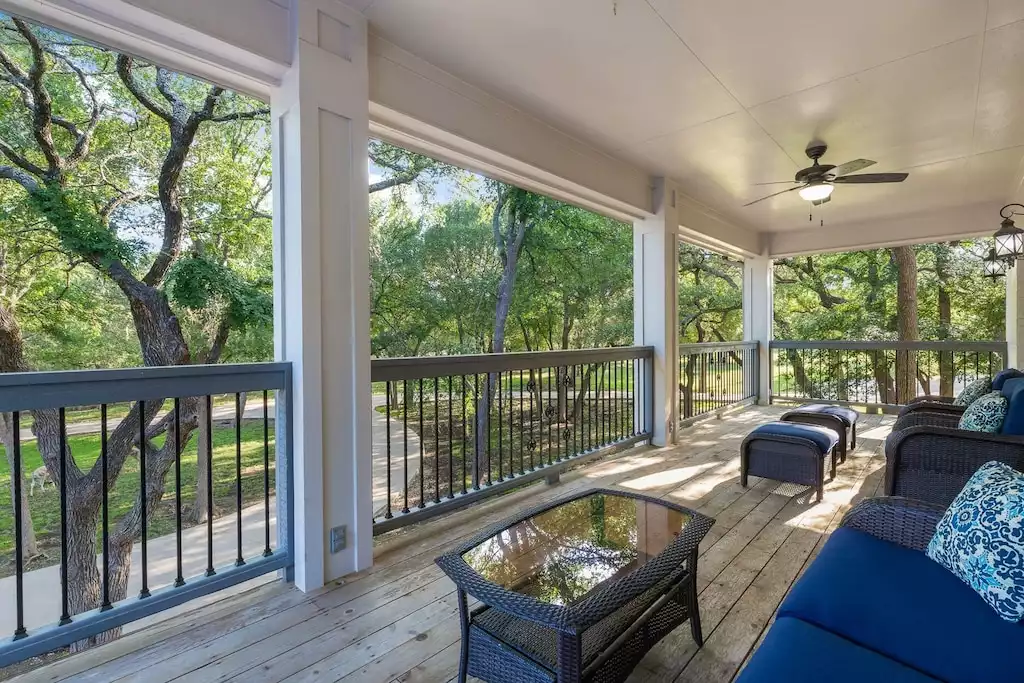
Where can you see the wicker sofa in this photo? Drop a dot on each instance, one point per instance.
(928, 458)
(874, 607)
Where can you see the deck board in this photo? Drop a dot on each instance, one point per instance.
(398, 621)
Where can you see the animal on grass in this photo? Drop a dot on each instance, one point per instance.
(40, 477)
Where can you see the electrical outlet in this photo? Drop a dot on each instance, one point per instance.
(338, 538)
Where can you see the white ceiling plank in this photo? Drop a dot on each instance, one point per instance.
(764, 50)
(1002, 12)
(614, 78)
(1001, 92)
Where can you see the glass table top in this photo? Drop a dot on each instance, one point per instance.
(561, 554)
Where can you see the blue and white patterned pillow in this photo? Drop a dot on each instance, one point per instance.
(980, 539)
(973, 391)
(987, 414)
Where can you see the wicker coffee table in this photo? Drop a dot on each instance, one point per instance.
(576, 590)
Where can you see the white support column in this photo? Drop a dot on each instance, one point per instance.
(656, 305)
(320, 125)
(1015, 316)
(758, 312)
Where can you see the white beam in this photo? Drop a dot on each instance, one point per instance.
(656, 305)
(705, 227)
(758, 316)
(963, 222)
(241, 44)
(418, 105)
(321, 289)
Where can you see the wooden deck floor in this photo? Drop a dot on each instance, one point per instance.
(397, 622)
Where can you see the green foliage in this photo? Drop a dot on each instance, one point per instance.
(710, 296)
(79, 229)
(196, 282)
(852, 295)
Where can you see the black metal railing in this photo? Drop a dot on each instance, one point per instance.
(716, 376)
(454, 429)
(182, 464)
(887, 374)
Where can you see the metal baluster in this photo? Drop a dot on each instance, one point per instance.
(422, 443)
(267, 551)
(65, 616)
(511, 430)
(387, 446)
(477, 441)
(210, 571)
(19, 560)
(437, 442)
(105, 507)
(463, 402)
(522, 440)
(239, 559)
(451, 450)
(531, 388)
(501, 444)
(405, 446)
(487, 424)
(179, 580)
(144, 500)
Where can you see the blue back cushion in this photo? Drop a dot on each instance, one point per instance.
(825, 438)
(1003, 375)
(1013, 390)
(899, 603)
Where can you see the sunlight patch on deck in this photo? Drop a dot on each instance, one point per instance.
(666, 478)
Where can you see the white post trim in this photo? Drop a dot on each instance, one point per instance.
(1014, 317)
(320, 119)
(656, 305)
(758, 314)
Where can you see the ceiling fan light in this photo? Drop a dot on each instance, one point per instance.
(816, 191)
(1009, 241)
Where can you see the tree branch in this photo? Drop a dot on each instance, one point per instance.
(124, 71)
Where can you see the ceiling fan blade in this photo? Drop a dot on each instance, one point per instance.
(819, 202)
(852, 166)
(773, 195)
(778, 182)
(872, 178)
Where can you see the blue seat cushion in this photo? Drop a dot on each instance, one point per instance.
(797, 652)
(824, 438)
(899, 603)
(1003, 375)
(1013, 390)
(848, 415)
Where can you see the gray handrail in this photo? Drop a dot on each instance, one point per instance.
(699, 347)
(39, 390)
(391, 369)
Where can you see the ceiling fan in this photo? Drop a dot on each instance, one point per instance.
(816, 182)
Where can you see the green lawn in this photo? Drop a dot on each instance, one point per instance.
(45, 506)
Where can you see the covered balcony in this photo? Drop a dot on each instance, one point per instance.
(355, 472)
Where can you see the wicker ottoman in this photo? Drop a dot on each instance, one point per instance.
(790, 452)
(840, 418)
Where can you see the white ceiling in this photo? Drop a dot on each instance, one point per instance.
(722, 94)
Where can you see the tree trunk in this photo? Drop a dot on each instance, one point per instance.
(197, 515)
(509, 245)
(945, 319)
(906, 321)
(12, 359)
(29, 547)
